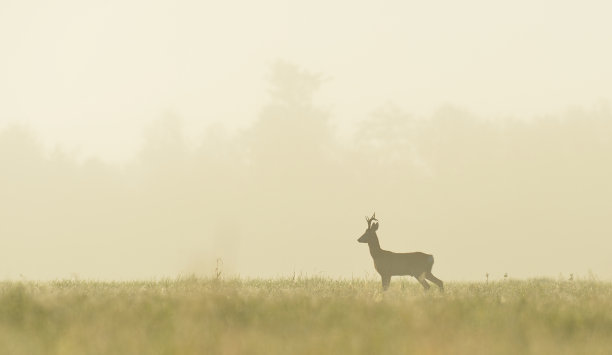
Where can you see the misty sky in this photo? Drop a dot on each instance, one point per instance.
(478, 131)
(90, 75)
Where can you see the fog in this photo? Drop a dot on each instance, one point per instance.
(148, 140)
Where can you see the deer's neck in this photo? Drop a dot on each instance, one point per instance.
(374, 246)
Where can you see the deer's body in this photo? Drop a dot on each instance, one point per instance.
(388, 263)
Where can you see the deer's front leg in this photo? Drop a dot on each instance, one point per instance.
(386, 280)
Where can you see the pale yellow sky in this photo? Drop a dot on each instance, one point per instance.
(109, 78)
(91, 74)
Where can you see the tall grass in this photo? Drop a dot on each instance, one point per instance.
(305, 316)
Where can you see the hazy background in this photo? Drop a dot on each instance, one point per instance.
(145, 139)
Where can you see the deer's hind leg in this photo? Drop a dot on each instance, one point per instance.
(386, 280)
(435, 280)
(421, 279)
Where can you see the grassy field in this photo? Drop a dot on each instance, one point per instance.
(305, 316)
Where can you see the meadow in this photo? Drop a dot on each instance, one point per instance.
(305, 316)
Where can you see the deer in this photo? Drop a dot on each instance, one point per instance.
(389, 264)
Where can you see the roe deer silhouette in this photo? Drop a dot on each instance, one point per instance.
(389, 264)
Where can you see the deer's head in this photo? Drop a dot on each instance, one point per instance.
(370, 232)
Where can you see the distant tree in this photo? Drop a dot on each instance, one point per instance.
(164, 150)
(19, 145)
(389, 136)
(292, 135)
(21, 158)
(293, 87)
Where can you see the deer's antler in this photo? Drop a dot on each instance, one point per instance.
(369, 220)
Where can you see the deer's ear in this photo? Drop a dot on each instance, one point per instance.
(375, 226)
